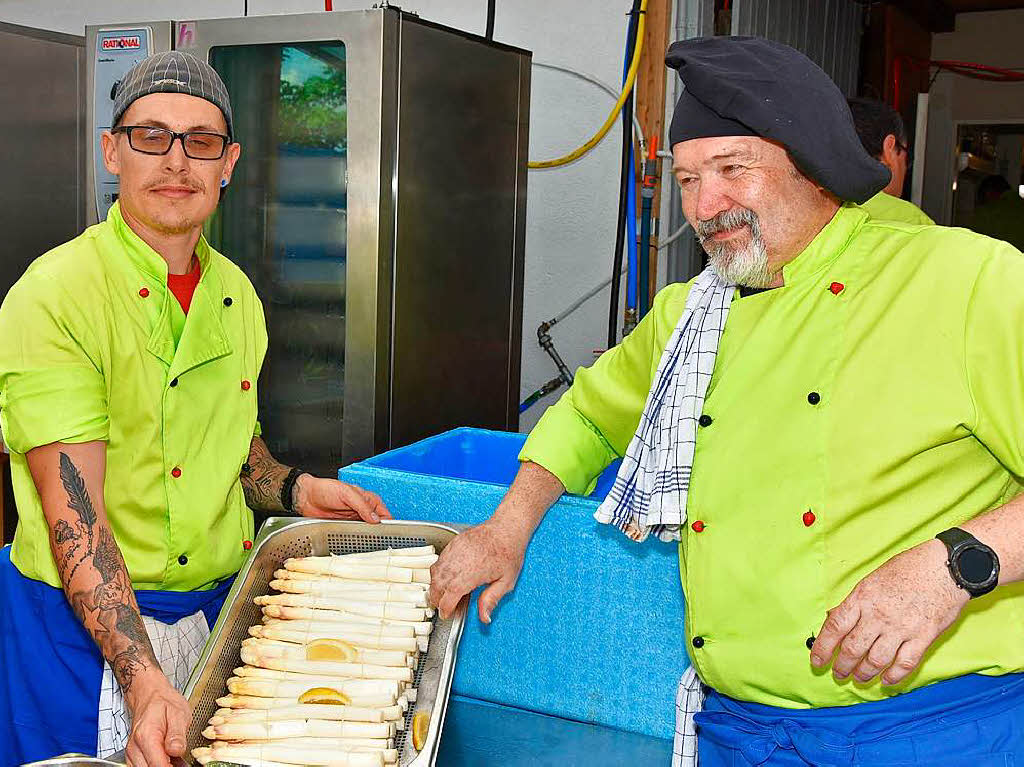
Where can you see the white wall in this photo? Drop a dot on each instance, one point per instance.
(570, 212)
(993, 38)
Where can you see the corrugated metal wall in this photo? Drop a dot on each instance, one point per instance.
(828, 31)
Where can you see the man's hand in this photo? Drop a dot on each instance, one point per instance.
(160, 720)
(489, 553)
(892, 617)
(331, 499)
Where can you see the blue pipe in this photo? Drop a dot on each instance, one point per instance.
(631, 248)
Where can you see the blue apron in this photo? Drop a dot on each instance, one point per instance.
(970, 721)
(50, 668)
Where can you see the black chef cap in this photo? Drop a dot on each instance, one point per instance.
(749, 86)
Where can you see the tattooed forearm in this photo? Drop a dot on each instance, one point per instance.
(96, 581)
(262, 478)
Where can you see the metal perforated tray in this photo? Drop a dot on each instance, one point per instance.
(282, 538)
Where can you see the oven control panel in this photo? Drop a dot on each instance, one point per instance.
(117, 51)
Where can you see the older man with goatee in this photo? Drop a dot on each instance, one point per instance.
(830, 421)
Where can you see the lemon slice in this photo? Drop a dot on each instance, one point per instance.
(324, 695)
(330, 649)
(420, 724)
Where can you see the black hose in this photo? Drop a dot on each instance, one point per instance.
(490, 20)
(643, 291)
(625, 179)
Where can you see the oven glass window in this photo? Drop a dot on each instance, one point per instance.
(283, 221)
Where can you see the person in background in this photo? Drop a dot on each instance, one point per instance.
(884, 136)
(129, 359)
(999, 212)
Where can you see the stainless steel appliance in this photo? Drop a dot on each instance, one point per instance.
(42, 130)
(378, 208)
(42, 163)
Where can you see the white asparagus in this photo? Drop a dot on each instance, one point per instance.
(315, 757)
(369, 608)
(374, 686)
(384, 747)
(333, 592)
(412, 561)
(377, 602)
(385, 630)
(280, 612)
(332, 587)
(345, 745)
(355, 689)
(321, 711)
(375, 556)
(358, 695)
(274, 648)
(368, 572)
(299, 728)
(390, 757)
(253, 657)
(413, 587)
(231, 716)
(204, 756)
(301, 632)
(245, 702)
(274, 614)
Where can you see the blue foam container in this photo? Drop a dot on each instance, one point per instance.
(593, 631)
(477, 734)
(475, 455)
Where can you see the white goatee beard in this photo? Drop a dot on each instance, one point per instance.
(746, 266)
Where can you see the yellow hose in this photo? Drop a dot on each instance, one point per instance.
(616, 110)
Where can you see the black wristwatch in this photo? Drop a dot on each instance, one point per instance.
(973, 565)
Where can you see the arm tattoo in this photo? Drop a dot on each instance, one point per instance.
(262, 478)
(78, 502)
(96, 581)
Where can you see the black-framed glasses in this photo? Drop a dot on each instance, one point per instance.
(199, 145)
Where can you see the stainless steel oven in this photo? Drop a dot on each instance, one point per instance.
(378, 208)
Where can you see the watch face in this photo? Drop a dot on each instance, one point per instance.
(975, 565)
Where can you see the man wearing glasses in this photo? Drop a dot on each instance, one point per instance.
(128, 366)
(884, 136)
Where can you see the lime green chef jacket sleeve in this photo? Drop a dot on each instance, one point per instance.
(593, 422)
(52, 389)
(994, 357)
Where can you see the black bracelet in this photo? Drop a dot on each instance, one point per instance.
(287, 487)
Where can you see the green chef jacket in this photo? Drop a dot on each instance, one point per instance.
(888, 208)
(873, 401)
(94, 346)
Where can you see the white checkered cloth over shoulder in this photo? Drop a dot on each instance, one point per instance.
(650, 490)
(649, 494)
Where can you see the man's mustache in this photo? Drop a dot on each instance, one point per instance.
(194, 185)
(727, 221)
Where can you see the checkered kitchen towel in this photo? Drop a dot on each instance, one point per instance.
(649, 494)
(177, 647)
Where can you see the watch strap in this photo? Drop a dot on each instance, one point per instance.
(954, 537)
(287, 487)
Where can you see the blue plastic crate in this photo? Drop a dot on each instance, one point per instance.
(594, 629)
(476, 455)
